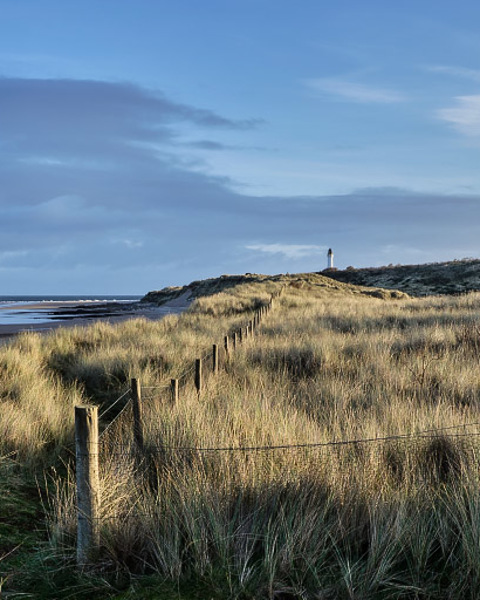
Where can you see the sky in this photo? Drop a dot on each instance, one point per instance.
(149, 143)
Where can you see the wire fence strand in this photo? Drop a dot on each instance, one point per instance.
(425, 434)
(108, 427)
(102, 414)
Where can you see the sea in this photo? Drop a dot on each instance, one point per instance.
(10, 314)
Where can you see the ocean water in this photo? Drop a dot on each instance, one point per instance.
(10, 314)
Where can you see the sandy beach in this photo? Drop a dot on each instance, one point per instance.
(47, 316)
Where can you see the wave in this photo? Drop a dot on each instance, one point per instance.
(26, 300)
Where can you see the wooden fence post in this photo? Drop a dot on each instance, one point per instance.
(215, 359)
(198, 375)
(174, 390)
(225, 344)
(88, 485)
(137, 415)
(234, 340)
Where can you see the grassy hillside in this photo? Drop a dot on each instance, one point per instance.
(452, 277)
(309, 282)
(335, 455)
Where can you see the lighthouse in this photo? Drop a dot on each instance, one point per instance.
(330, 258)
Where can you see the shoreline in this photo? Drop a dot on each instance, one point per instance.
(55, 314)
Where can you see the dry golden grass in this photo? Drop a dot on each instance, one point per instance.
(385, 519)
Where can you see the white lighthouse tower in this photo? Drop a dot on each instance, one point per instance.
(330, 258)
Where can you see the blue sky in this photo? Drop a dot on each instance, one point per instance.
(150, 143)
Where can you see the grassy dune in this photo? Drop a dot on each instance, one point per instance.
(453, 277)
(248, 515)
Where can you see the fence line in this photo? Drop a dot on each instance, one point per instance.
(427, 434)
(196, 369)
(87, 438)
(88, 515)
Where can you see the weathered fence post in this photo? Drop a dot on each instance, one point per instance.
(225, 344)
(88, 485)
(198, 375)
(174, 390)
(137, 415)
(215, 359)
(240, 335)
(234, 340)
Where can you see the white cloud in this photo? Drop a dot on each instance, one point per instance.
(129, 243)
(465, 116)
(11, 256)
(463, 72)
(289, 250)
(357, 92)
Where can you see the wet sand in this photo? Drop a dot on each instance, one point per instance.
(52, 315)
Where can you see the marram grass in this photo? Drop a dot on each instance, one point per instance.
(382, 519)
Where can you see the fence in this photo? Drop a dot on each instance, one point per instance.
(354, 453)
(87, 428)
